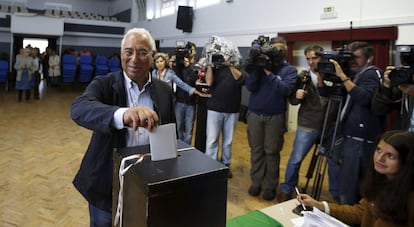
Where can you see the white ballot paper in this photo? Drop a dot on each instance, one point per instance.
(163, 142)
(316, 218)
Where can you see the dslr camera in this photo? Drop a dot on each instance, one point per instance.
(405, 73)
(182, 50)
(327, 68)
(263, 55)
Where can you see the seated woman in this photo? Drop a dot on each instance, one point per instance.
(387, 189)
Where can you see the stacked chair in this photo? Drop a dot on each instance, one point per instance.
(101, 65)
(68, 68)
(85, 69)
(4, 71)
(114, 65)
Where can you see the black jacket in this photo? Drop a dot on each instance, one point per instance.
(94, 110)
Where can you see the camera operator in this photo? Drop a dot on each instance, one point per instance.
(225, 82)
(359, 125)
(185, 104)
(310, 122)
(266, 123)
(397, 95)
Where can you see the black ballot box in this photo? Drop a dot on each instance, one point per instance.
(190, 190)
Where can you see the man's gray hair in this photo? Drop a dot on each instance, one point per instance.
(141, 31)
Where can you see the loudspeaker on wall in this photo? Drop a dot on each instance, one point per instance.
(185, 18)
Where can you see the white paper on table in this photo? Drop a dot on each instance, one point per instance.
(163, 142)
(319, 218)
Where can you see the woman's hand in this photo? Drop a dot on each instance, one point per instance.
(310, 202)
(202, 94)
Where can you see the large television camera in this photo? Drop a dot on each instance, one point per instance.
(405, 73)
(219, 51)
(263, 54)
(182, 50)
(327, 68)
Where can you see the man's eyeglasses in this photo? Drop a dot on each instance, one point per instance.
(143, 54)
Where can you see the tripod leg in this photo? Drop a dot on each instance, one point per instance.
(311, 168)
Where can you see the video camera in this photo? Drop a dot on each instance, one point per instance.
(218, 50)
(405, 73)
(263, 55)
(182, 50)
(327, 68)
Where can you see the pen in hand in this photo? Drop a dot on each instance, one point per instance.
(297, 192)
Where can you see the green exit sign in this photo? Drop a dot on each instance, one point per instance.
(329, 9)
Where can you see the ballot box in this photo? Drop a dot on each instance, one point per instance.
(190, 190)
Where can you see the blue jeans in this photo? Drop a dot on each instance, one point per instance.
(356, 156)
(184, 115)
(304, 140)
(217, 123)
(99, 218)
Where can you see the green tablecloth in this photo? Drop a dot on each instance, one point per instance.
(253, 219)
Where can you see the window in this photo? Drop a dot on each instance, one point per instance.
(167, 7)
(204, 3)
(161, 8)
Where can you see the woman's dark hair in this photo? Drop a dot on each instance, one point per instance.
(391, 195)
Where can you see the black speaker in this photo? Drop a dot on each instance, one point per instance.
(185, 18)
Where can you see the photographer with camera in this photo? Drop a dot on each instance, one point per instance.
(271, 79)
(310, 122)
(396, 92)
(185, 106)
(359, 125)
(225, 82)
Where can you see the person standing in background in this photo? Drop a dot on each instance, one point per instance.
(37, 69)
(266, 119)
(311, 114)
(225, 82)
(185, 104)
(24, 78)
(359, 126)
(54, 68)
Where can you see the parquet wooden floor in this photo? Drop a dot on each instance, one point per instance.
(41, 149)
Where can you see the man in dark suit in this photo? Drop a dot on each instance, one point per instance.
(121, 109)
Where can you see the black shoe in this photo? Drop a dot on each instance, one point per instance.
(254, 190)
(269, 194)
(283, 196)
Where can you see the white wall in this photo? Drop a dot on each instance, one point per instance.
(121, 5)
(243, 20)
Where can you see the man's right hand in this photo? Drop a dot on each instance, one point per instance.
(387, 81)
(300, 94)
(141, 117)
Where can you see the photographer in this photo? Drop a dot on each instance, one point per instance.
(310, 122)
(225, 82)
(359, 125)
(185, 106)
(396, 93)
(270, 86)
